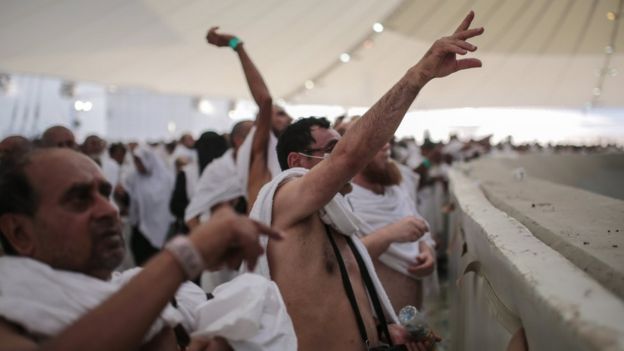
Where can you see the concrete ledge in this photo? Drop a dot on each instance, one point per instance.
(586, 228)
(560, 306)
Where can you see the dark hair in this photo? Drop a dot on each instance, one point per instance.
(116, 147)
(18, 195)
(297, 137)
(209, 146)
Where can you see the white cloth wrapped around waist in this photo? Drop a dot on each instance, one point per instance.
(45, 301)
(337, 214)
(249, 312)
(219, 182)
(379, 210)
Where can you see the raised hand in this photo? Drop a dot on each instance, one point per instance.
(441, 59)
(229, 239)
(218, 39)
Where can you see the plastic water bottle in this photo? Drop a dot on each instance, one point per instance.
(414, 322)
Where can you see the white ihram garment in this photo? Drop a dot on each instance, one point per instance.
(45, 301)
(219, 182)
(243, 159)
(149, 197)
(250, 313)
(380, 210)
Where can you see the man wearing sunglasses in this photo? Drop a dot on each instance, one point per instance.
(332, 294)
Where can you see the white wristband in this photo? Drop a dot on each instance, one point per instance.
(187, 255)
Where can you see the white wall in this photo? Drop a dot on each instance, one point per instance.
(30, 104)
(142, 115)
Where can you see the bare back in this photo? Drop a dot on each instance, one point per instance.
(305, 268)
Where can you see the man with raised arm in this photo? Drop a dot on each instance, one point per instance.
(252, 163)
(323, 271)
(256, 161)
(62, 238)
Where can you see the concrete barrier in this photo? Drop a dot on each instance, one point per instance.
(503, 277)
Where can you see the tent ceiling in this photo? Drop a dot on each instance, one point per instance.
(535, 52)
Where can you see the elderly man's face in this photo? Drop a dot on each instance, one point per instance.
(76, 227)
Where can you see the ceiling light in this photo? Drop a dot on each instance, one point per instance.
(611, 16)
(87, 106)
(344, 57)
(231, 113)
(204, 106)
(309, 84)
(78, 105)
(378, 27)
(171, 127)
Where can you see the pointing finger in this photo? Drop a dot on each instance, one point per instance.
(270, 232)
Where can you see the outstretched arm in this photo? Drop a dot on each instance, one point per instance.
(300, 198)
(226, 239)
(408, 229)
(259, 173)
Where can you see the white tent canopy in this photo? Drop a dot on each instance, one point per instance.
(550, 53)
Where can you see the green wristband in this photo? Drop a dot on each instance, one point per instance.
(234, 43)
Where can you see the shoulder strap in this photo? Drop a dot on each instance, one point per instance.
(348, 289)
(371, 291)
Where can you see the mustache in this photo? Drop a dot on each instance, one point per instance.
(107, 225)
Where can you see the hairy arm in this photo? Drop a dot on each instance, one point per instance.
(302, 197)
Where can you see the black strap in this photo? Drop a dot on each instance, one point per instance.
(383, 325)
(182, 336)
(348, 289)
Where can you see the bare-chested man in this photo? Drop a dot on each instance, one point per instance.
(304, 264)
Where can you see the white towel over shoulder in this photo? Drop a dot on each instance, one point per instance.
(218, 183)
(243, 159)
(337, 213)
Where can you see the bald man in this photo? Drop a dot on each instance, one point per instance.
(58, 136)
